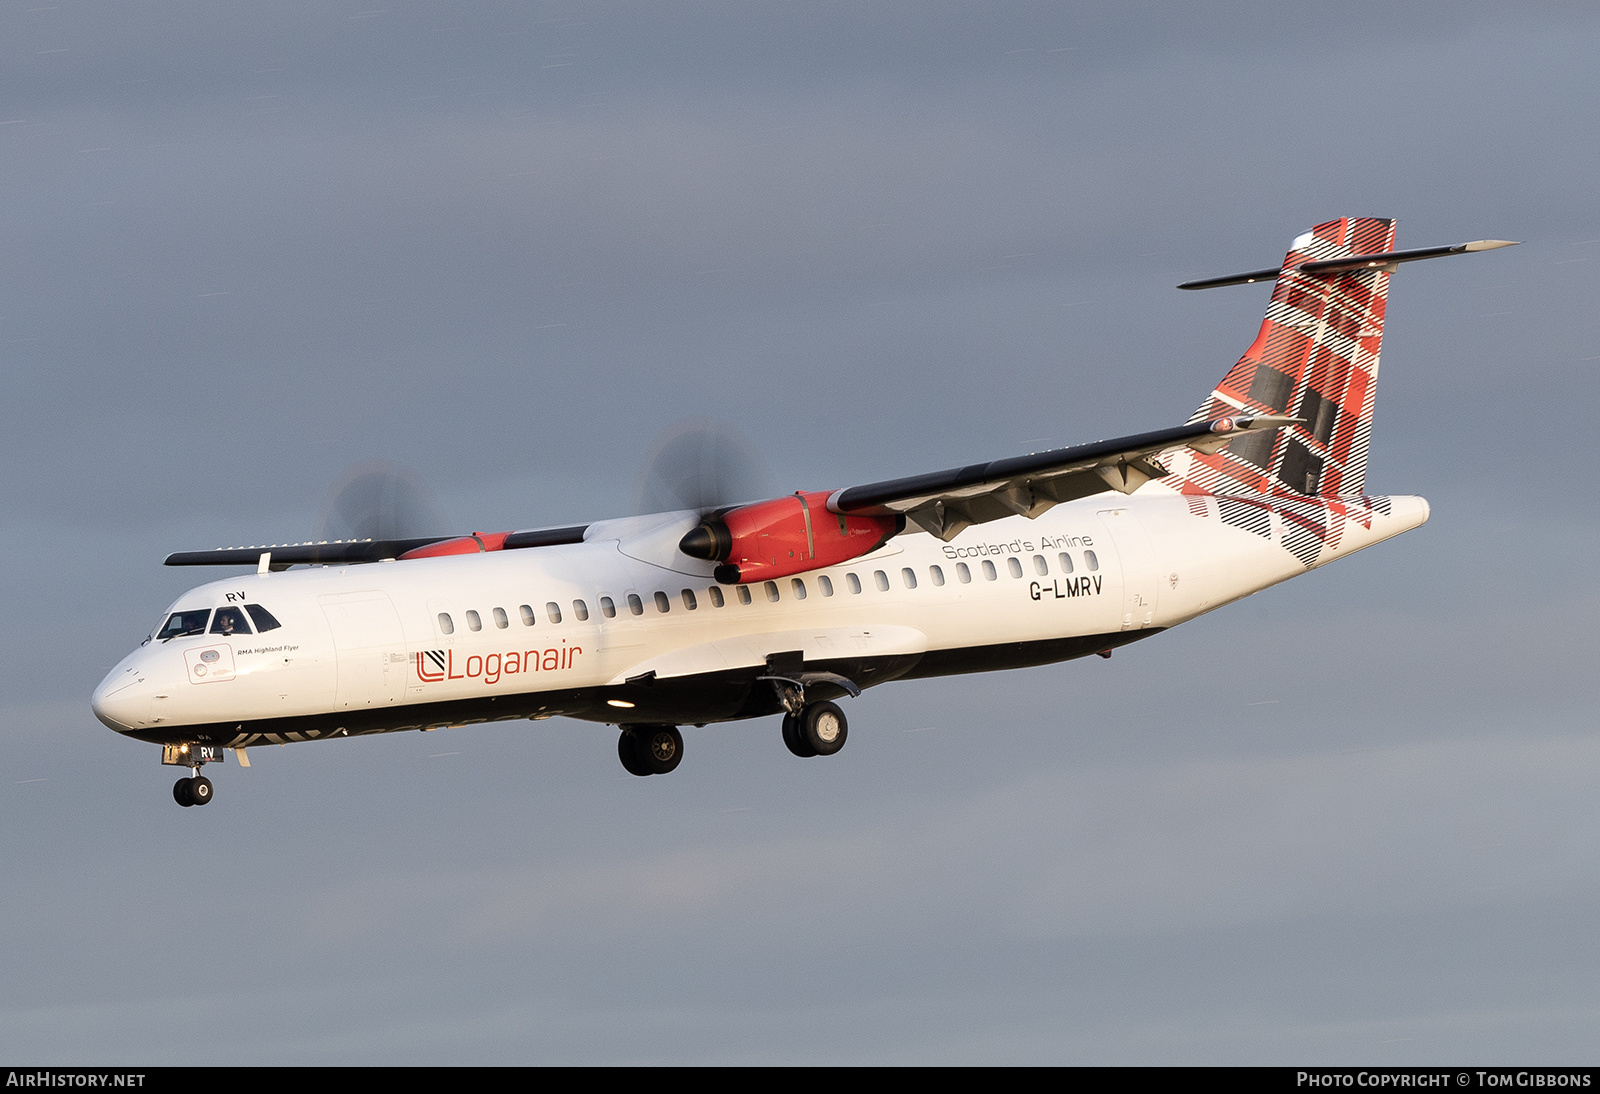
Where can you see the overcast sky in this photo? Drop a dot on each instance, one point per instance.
(244, 247)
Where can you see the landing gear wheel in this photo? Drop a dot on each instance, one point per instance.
(180, 793)
(199, 790)
(823, 728)
(628, 753)
(791, 737)
(659, 748)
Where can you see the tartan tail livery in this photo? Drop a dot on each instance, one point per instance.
(1316, 361)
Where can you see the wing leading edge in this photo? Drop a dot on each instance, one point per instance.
(281, 556)
(947, 502)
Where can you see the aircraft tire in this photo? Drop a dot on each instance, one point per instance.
(660, 748)
(823, 727)
(627, 752)
(180, 793)
(791, 737)
(200, 790)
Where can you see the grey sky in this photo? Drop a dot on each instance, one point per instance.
(1349, 820)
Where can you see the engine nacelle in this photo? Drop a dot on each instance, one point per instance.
(784, 536)
(462, 545)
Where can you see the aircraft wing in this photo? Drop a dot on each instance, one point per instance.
(946, 502)
(340, 552)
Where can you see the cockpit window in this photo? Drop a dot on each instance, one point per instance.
(263, 618)
(229, 621)
(183, 624)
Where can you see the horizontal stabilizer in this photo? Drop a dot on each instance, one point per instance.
(1328, 268)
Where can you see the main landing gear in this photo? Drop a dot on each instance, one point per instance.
(809, 729)
(819, 729)
(650, 750)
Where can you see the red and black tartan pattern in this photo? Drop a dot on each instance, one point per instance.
(1315, 358)
(1302, 526)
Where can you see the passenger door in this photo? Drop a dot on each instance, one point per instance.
(370, 647)
(1137, 559)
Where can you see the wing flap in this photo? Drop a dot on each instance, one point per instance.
(946, 503)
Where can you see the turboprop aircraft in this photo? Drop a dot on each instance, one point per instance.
(783, 606)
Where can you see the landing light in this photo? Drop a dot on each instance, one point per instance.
(623, 703)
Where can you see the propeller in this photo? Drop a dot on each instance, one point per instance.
(700, 464)
(381, 500)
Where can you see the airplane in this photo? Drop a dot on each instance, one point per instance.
(785, 605)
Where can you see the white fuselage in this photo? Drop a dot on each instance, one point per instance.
(624, 628)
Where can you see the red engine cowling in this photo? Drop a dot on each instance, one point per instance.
(462, 545)
(784, 536)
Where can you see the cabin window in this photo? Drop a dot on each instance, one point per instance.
(229, 621)
(1014, 564)
(262, 618)
(988, 570)
(581, 610)
(526, 611)
(608, 607)
(853, 581)
(1066, 562)
(771, 589)
(474, 622)
(1040, 566)
(909, 576)
(663, 605)
(552, 612)
(936, 575)
(1091, 560)
(881, 580)
(635, 605)
(500, 619)
(963, 574)
(825, 583)
(716, 596)
(689, 602)
(799, 588)
(744, 594)
(446, 625)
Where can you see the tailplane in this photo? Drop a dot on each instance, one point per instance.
(1315, 359)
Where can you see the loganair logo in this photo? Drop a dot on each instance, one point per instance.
(434, 666)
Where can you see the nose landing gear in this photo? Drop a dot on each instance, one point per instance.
(195, 790)
(192, 791)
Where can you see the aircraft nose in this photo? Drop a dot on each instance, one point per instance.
(121, 698)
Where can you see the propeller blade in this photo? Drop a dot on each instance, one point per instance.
(381, 500)
(699, 465)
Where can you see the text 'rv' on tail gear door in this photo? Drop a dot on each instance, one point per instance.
(1140, 569)
(371, 648)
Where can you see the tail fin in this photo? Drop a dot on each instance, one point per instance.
(1315, 359)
